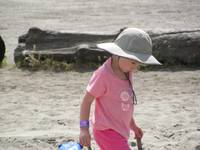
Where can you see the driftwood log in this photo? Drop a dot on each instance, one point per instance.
(2, 49)
(68, 47)
(181, 47)
(170, 48)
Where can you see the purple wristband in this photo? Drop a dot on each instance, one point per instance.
(84, 124)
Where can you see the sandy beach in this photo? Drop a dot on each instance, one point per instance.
(40, 110)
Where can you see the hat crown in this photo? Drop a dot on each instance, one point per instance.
(133, 40)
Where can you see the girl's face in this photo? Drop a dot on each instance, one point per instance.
(128, 65)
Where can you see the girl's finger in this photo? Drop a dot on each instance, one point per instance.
(83, 141)
(88, 141)
(138, 134)
(141, 133)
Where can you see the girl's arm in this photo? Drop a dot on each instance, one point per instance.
(138, 131)
(84, 136)
(85, 106)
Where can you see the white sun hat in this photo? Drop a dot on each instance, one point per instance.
(134, 44)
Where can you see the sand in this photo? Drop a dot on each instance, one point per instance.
(40, 109)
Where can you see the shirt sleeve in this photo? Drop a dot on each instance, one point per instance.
(96, 85)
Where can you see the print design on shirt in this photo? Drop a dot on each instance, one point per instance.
(125, 97)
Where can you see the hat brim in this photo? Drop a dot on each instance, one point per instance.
(140, 57)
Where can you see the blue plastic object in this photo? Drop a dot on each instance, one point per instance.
(71, 145)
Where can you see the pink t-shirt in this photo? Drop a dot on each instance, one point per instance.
(114, 100)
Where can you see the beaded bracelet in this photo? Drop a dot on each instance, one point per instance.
(84, 124)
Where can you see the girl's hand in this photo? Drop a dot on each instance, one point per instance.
(84, 137)
(138, 132)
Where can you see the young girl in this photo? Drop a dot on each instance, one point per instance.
(111, 87)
